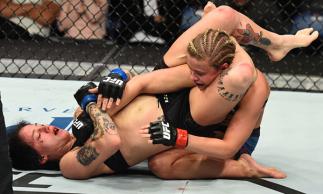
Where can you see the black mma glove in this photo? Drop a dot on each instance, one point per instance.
(113, 85)
(82, 128)
(161, 132)
(84, 97)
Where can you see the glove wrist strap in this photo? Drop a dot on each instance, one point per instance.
(87, 99)
(182, 138)
(121, 73)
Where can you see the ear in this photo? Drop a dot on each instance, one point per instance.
(224, 66)
(43, 159)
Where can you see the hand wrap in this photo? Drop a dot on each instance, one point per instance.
(84, 97)
(161, 132)
(113, 85)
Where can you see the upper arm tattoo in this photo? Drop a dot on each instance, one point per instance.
(102, 124)
(86, 155)
(249, 36)
(223, 91)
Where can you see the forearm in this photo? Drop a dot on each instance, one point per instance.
(159, 81)
(132, 89)
(165, 80)
(12, 9)
(212, 147)
(44, 15)
(102, 122)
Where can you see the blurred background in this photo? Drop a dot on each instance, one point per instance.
(85, 39)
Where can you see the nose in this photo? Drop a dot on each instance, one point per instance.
(51, 128)
(194, 77)
(44, 129)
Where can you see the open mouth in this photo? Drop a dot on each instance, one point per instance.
(199, 85)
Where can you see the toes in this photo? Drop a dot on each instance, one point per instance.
(305, 31)
(208, 7)
(315, 34)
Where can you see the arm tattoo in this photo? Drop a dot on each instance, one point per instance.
(86, 155)
(249, 36)
(102, 123)
(229, 96)
(110, 126)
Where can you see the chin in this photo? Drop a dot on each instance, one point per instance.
(201, 87)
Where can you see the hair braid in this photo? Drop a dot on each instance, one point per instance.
(213, 45)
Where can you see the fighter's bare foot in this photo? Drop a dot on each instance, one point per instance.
(208, 7)
(302, 38)
(260, 171)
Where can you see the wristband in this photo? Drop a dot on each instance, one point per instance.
(182, 138)
(120, 72)
(87, 99)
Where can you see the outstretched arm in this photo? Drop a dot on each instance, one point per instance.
(159, 81)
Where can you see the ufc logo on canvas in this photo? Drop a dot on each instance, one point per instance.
(166, 132)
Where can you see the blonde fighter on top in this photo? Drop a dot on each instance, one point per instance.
(118, 133)
(224, 75)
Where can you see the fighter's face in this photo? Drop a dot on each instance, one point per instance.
(47, 140)
(202, 73)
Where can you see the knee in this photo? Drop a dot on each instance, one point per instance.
(224, 9)
(160, 168)
(226, 13)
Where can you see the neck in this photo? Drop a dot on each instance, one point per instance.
(71, 143)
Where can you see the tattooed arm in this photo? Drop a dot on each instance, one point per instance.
(87, 161)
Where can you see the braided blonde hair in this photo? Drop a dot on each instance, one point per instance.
(213, 45)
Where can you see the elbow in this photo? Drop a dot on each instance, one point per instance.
(244, 78)
(66, 166)
(227, 153)
(116, 142)
(75, 175)
(225, 12)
